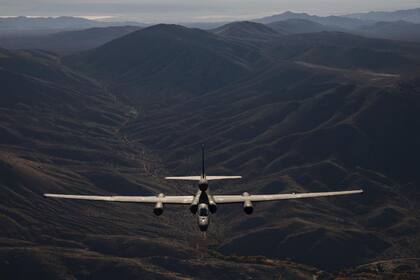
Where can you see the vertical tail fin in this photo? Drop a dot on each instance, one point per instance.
(203, 172)
(203, 169)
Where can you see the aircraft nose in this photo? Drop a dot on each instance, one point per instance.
(202, 220)
(203, 223)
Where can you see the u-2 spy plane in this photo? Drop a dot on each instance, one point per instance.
(203, 203)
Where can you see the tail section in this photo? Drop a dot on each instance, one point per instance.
(203, 173)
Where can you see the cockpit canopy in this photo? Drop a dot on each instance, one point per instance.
(203, 210)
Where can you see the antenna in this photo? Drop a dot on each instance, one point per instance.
(203, 170)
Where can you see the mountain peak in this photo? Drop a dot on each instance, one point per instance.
(290, 13)
(243, 29)
(165, 26)
(166, 34)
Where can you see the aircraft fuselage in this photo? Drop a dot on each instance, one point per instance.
(203, 205)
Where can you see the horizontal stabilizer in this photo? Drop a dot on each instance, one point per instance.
(198, 178)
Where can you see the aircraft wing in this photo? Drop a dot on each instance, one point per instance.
(211, 178)
(184, 178)
(198, 178)
(139, 199)
(274, 197)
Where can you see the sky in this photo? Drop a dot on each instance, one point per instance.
(192, 10)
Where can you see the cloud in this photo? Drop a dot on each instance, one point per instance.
(184, 10)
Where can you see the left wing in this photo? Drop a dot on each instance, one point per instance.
(273, 197)
(140, 199)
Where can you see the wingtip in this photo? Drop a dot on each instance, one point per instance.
(50, 195)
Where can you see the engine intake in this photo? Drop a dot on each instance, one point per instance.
(248, 207)
(194, 204)
(212, 204)
(158, 210)
(212, 207)
(194, 208)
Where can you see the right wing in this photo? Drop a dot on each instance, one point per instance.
(211, 178)
(140, 199)
(274, 197)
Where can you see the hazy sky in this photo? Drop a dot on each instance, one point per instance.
(193, 10)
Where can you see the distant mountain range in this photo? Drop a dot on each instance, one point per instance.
(334, 21)
(22, 24)
(412, 15)
(299, 25)
(28, 32)
(350, 20)
(403, 28)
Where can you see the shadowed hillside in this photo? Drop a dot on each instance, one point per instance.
(166, 63)
(399, 30)
(297, 25)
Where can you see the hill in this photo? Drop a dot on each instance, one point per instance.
(246, 30)
(399, 30)
(166, 63)
(296, 26)
(346, 51)
(304, 131)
